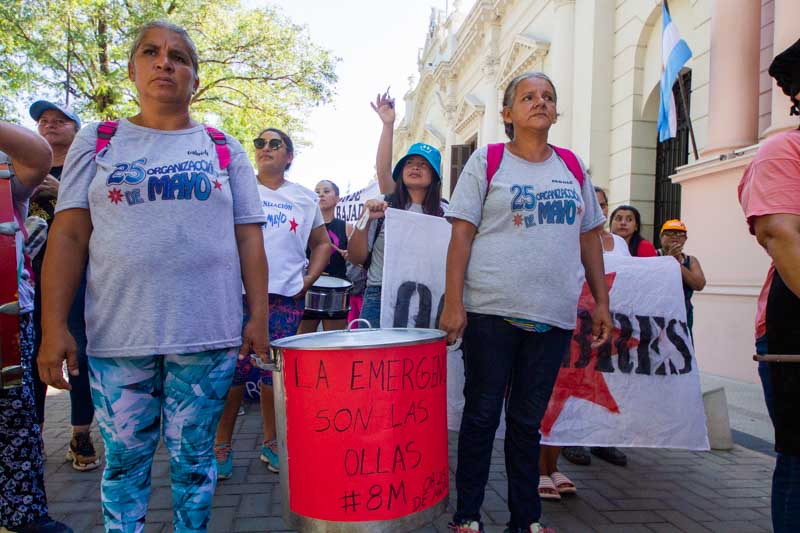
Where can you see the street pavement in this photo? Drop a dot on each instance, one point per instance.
(660, 490)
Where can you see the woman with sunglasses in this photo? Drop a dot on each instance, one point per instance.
(415, 185)
(294, 222)
(167, 213)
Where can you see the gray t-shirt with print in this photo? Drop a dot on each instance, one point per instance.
(525, 260)
(164, 274)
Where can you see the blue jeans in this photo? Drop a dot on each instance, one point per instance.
(371, 308)
(786, 478)
(503, 363)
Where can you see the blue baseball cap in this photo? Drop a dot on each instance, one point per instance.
(431, 155)
(40, 106)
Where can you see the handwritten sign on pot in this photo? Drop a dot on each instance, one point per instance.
(366, 431)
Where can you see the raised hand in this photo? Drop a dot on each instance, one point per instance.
(384, 107)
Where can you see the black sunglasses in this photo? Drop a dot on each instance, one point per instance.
(273, 144)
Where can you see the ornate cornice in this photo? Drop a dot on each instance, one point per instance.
(526, 53)
(469, 110)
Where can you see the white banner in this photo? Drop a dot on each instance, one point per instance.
(349, 207)
(641, 389)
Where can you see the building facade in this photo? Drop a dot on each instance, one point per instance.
(604, 57)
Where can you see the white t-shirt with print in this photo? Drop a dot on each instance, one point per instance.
(292, 212)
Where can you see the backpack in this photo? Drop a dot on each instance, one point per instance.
(494, 155)
(107, 129)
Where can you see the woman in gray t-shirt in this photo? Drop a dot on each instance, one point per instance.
(166, 211)
(513, 266)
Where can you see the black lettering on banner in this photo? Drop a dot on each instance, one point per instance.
(439, 312)
(375, 500)
(583, 338)
(603, 363)
(680, 344)
(643, 351)
(660, 322)
(625, 334)
(401, 308)
(342, 423)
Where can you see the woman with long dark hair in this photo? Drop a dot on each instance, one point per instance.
(415, 185)
(627, 223)
(525, 219)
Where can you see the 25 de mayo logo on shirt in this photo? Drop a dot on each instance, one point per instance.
(186, 180)
(559, 205)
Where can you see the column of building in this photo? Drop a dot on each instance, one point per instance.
(734, 75)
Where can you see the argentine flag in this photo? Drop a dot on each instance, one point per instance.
(674, 54)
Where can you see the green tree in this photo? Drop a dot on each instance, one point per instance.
(257, 68)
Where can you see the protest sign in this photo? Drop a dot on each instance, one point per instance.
(350, 207)
(641, 388)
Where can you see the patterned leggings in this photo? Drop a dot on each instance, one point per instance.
(22, 498)
(131, 395)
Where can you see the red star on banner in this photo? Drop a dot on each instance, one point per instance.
(115, 195)
(517, 219)
(580, 210)
(583, 383)
(217, 184)
(293, 225)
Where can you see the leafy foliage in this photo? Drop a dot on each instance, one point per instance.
(257, 69)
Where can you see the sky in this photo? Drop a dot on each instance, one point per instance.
(377, 41)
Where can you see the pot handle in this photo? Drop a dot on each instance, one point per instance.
(357, 321)
(275, 363)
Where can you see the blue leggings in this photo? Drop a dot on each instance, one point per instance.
(131, 395)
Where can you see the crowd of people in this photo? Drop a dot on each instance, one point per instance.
(155, 347)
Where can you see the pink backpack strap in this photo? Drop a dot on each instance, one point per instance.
(221, 145)
(105, 130)
(571, 160)
(494, 155)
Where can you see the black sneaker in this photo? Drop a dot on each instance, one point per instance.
(44, 525)
(81, 452)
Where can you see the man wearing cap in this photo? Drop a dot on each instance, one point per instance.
(59, 125)
(769, 193)
(673, 237)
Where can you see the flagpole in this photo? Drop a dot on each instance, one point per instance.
(688, 116)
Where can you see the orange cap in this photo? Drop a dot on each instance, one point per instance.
(674, 225)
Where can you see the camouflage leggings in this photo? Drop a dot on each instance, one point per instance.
(131, 395)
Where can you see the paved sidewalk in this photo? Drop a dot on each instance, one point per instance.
(659, 490)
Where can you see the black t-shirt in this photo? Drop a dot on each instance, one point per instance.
(45, 207)
(337, 231)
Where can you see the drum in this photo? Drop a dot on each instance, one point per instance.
(10, 366)
(362, 429)
(328, 299)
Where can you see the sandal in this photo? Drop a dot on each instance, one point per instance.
(547, 489)
(563, 484)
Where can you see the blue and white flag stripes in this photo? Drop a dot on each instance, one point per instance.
(674, 54)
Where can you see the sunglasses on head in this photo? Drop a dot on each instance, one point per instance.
(273, 144)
